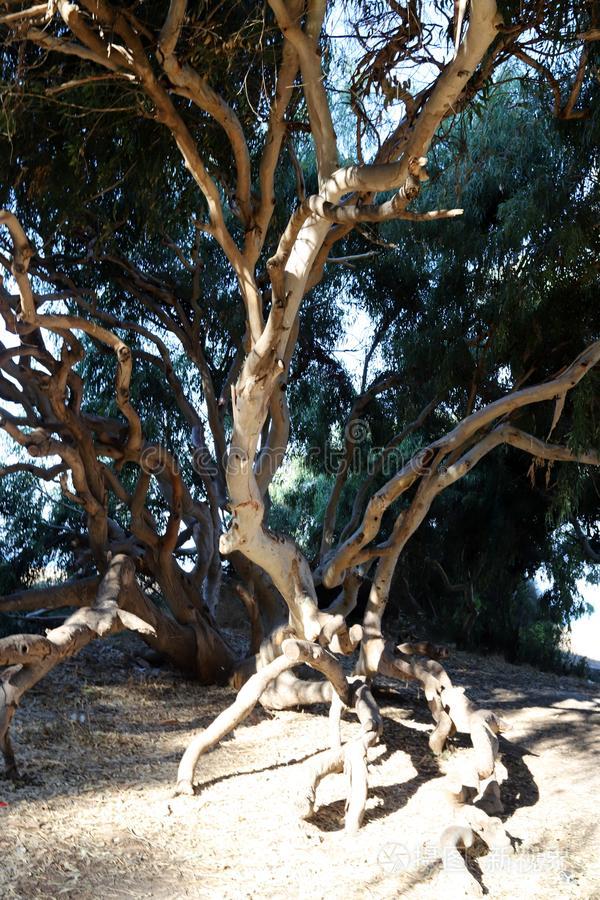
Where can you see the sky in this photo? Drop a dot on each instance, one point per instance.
(585, 633)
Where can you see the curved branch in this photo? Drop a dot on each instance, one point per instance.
(294, 652)
(56, 596)
(361, 494)
(305, 44)
(30, 657)
(276, 132)
(188, 83)
(421, 465)
(48, 474)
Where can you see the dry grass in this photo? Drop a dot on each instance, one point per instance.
(99, 747)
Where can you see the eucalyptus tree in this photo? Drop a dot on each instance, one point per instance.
(497, 298)
(190, 73)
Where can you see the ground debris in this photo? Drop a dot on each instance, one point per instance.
(94, 814)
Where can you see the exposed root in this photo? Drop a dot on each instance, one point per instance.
(356, 756)
(457, 881)
(350, 758)
(443, 730)
(320, 659)
(489, 791)
(468, 812)
(270, 648)
(31, 656)
(334, 634)
(289, 692)
(469, 820)
(294, 653)
(451, 710)
(329, 762)
(243, 705)
(433, 678)
(335, 722)
(268, 677)
(482, 724)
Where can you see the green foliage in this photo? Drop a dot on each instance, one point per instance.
(539, 645)
(299, 498)
(506, 295)
(35, 526)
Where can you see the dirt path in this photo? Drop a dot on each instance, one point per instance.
(95, 818)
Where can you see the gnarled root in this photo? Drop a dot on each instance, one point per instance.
(489, 828)
(489, 790)
(356, 757)
(294, 653)
(469, 821)
(350, 758)
(288, 691)
(481, 724)
(269, 650)
(457, 880)
(451, 709)
(335, 635)
(31, 656)
(433, 678)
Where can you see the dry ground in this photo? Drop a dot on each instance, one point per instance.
(100, 739)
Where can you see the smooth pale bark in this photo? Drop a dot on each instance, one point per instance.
(56, 596)
(263, 366)
(350, 758)
(294, 653)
